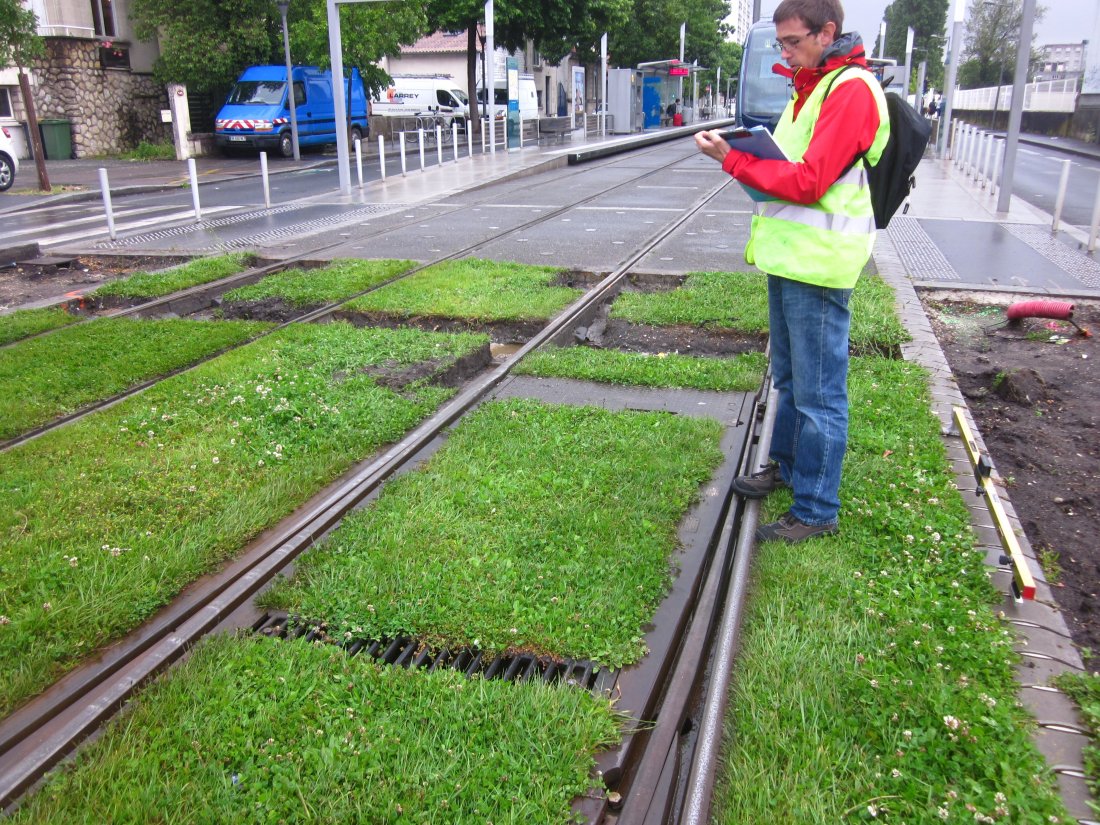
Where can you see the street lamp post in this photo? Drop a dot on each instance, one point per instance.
(284, 6)
(1016, 111)
(952, 71)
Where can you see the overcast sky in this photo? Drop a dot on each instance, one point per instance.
(1066, 21)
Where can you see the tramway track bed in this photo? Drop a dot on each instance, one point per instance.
(512, 302)
(49, 376)
(29, 281)
(296, 291)
(143, 286)
(108, 518)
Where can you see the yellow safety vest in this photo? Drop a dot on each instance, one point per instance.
(829, 242)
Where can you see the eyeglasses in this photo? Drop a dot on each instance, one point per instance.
(791, 43)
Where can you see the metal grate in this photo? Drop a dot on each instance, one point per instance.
(293, 230)
(406, 651)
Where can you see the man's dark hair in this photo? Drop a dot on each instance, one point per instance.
(814, 13)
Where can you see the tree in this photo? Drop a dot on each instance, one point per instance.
(205, 44)
(992, 35)
(927, 19)
(729, 58)
(19, 45)
(654, 33)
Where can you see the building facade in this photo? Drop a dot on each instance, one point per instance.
(96, 77)
(1062, 61)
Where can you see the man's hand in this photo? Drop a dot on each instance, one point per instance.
(712, 145)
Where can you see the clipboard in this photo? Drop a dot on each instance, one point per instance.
(758, 142)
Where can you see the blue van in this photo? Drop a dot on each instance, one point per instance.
(256, 114)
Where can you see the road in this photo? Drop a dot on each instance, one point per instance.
(1038, 172)
(83, 223)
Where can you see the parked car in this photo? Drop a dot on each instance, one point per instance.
(9, 162)
(256, 115)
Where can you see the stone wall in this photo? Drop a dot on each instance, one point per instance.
(111, 110)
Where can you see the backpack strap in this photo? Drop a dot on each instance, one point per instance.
(829, 88)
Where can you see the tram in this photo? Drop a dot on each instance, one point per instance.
(762, 94)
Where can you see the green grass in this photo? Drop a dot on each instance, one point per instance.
(150, 151)
(26, 322)
(107, 519)
(739, 300)
(47, 377)
(165, 282)
(876, 328)
(543, 527)
(874, 681)
(257, 730)
(719, 300)
(1084, 689)
(744, 373)
(473, 289)
(315, 287)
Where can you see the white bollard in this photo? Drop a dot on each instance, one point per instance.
(105, 189)
(483, 128)
(454, 139)
(382, 156)
(403, 168)
(439, 144)
(1060, 201)
(420, 142)
(469, 139)
(193, 172)
(954, 150)
(521, 131)
(997, 170)
(359, 160)
(1094, 226)
(987, 155)
(962, 147)
(267, 182)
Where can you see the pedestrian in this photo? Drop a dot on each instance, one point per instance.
(675, 114)
(812, 240)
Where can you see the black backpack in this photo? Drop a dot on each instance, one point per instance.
(892, 177)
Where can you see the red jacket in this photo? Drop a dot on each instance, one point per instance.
(846, 127)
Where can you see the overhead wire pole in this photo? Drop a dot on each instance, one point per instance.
(952, 70)
(284, 7)
(490, 75)
(680, 80)
(1016, 113)
(603, 84)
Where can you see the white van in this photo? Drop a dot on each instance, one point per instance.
(422, 94)
(528, 98)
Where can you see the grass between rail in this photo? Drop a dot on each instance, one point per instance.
(474, 289)
(316, 287)
(46, 377)
(106, 519)
(739, 300)
(874, 681)
(165, 282)
(744, 373)
(258, 730)
(24, 323)
(538, 527)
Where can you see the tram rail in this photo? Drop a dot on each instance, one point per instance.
(645, 774)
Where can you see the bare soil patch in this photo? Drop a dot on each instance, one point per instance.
(1033, 388)
(265, 309)
(24, 283)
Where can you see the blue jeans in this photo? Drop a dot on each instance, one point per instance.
(809, 354)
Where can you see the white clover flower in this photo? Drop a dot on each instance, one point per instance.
(895, 773)
(4, 620)
(951, 722)
(215, 460)
(943, 813)
(907, 735)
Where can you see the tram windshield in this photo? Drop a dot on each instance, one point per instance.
(761, 94)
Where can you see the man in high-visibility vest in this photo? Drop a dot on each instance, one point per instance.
(812, 238)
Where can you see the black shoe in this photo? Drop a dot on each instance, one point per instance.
(793, 530)
(759, 485)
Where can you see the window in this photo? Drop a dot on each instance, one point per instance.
(5, 102)
(103, 16)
